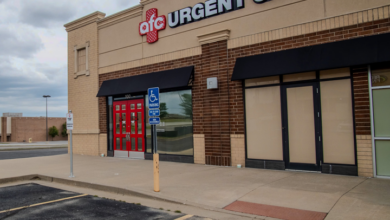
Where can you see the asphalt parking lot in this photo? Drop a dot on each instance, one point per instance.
(16, 154)
(34, 201)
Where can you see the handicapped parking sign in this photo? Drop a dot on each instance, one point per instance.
(154, 97)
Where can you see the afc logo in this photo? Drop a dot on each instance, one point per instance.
(152, 25)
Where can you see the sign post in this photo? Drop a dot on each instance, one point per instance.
(69, 127)
(154, 119)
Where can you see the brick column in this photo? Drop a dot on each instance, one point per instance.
(3, 129)
(362, 122)
(216, 104)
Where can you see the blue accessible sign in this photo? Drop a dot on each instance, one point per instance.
(154, 121)
(154, 112)
(154, 97)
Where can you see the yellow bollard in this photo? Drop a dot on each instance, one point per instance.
(30, 140)
(156, 172)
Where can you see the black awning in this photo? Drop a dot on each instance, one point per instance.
(169, 79)
(358, 51)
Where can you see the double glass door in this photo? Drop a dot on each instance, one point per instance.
(129, 138)
(301, 126)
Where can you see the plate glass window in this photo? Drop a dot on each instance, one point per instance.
(380, 96)
(174, 134)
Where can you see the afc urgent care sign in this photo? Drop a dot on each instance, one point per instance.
(155, 23)
(152, 25)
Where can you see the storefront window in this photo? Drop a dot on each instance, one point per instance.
(337, 122)
(264, 123)
(174, 134)
(380, 96)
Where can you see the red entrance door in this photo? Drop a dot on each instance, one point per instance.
(129, 138)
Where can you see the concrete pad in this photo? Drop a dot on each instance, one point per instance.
(296, 199)
(369, 200)
(305, 191)
(275, 211)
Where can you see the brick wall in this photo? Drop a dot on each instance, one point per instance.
(337, 34)
(82, 90)
(360, 78)
(215, 103)
(24, 128)
(362, 100)
(218, 114)
(3, 129)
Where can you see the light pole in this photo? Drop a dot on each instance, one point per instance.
(47, 134)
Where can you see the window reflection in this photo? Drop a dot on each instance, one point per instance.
(133, 144)
(139, 122)
(123, 143)
(117, 123)
(118, 143)
(133, 123)
(174, 134)
(139, 144)
(123, 123)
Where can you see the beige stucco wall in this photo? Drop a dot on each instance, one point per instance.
(82, 91)
(121, 43)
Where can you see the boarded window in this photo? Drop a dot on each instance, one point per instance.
(81, 59)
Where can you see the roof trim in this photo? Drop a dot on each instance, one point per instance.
(88, 19)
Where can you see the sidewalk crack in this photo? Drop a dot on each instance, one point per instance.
(346, 193)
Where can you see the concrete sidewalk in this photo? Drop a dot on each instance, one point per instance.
(341, 197)
(35, 145)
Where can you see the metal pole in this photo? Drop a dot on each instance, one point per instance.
(156, 162)
(155, 138)
(71, 152)
(47, 134)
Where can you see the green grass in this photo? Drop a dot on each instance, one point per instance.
(177, 211)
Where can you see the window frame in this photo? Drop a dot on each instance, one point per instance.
(76, 48)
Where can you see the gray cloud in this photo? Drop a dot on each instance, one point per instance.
(46, 14)
(20, 43)
(21, 91)
(125, 3)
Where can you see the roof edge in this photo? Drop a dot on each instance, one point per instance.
(121, 15)
(88, 19)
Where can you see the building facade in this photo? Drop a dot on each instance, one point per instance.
(20, 129)
(285, 84)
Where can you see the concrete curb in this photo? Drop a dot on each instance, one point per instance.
(35, 148)
(93, 186)
(117, 190)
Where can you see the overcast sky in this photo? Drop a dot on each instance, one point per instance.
(33, 51)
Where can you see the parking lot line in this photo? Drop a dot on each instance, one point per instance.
(43, 203)
(184, 217)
